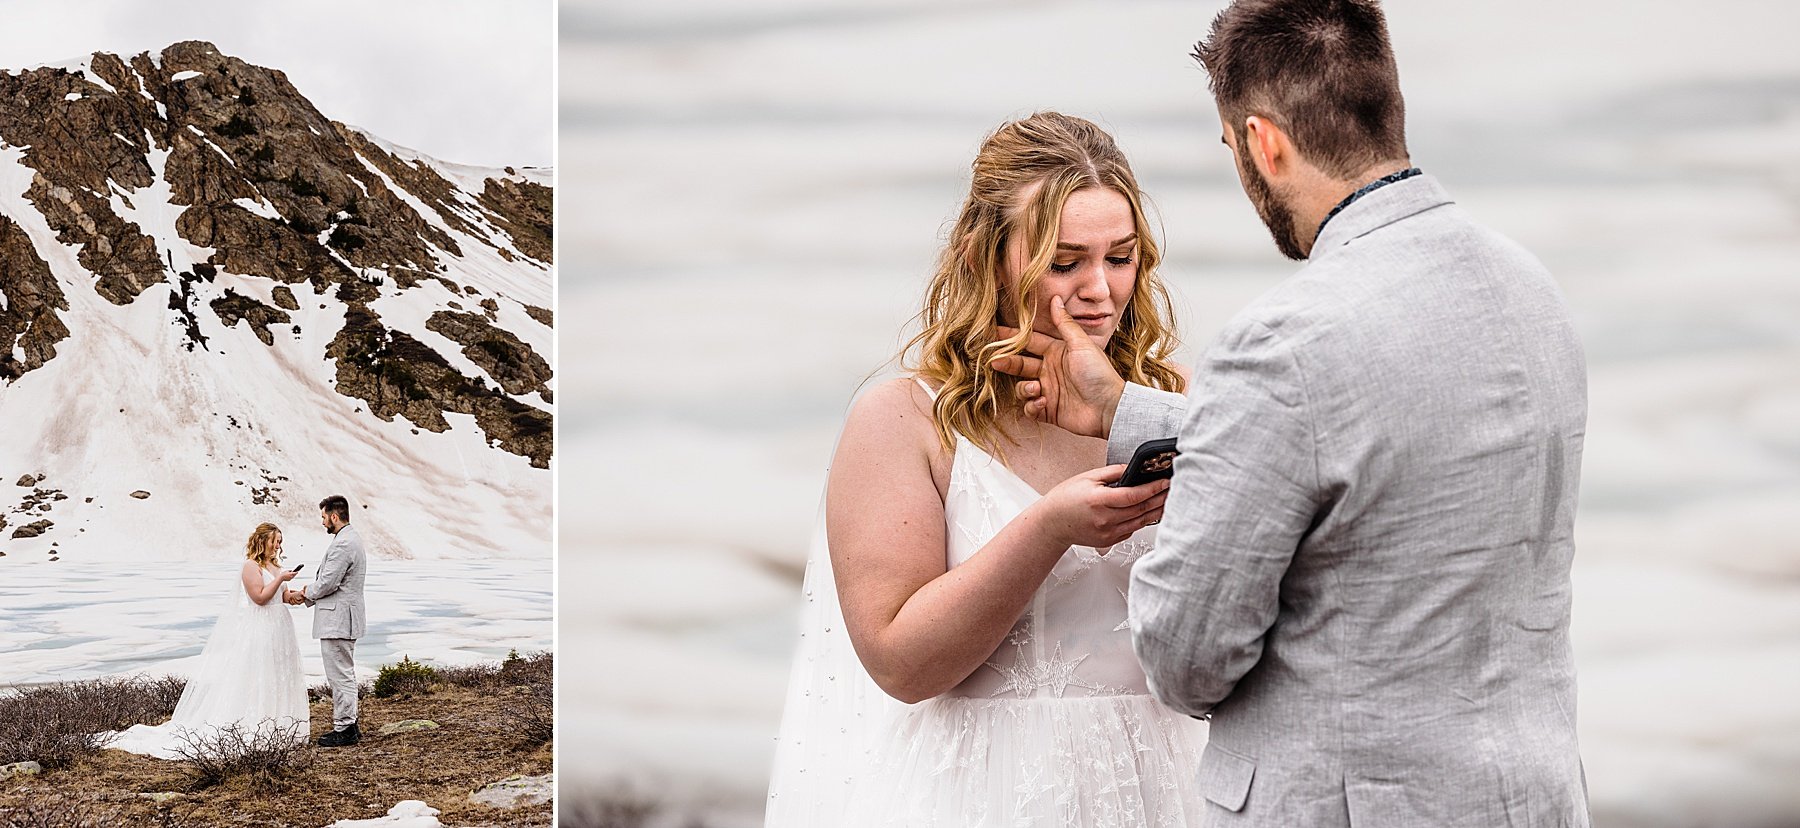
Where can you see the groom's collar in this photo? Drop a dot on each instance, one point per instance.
(1379, 208)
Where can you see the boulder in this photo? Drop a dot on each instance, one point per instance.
(19, 769)
(408, 726)
(517, 791)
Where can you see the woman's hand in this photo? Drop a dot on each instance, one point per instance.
(1085, 511)
(286, 575)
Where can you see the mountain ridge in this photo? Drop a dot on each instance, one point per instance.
(195, 258)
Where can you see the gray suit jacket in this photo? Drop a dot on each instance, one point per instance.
(1362, 572)
(336, 595)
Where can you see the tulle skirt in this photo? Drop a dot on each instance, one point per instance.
(249, 675)
(1097, 762)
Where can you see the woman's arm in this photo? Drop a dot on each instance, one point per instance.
(258, 591)
(919, 627)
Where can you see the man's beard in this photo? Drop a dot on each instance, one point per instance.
(1274, 213)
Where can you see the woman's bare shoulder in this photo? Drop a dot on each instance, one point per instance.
(893, 416)
(897, 400)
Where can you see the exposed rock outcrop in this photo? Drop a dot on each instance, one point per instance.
(252, 171)
(399, 376)
(234, 306)
(526, 212)
(29, 324)
(514, 365)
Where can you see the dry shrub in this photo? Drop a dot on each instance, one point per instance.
(473, 676)
(262, 753)
(56, 724)
(533, 713)
(616, 809)
(536, 668)
(322, 692)
(71, 812)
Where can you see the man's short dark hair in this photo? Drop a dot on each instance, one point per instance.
(336, 505)
(1322, 70)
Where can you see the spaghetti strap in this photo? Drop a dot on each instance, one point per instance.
(927, 386)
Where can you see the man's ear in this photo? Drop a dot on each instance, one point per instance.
(1268, 145)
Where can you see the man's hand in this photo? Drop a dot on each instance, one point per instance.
(1069, 382)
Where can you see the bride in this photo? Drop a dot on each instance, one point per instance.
(972, 564)
(249, 673)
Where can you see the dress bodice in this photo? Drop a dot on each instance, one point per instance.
(243, 597)
(1073, 638)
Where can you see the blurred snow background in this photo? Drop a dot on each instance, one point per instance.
(754, 191)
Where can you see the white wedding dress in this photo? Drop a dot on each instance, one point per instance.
(249, 675)
(1056, 729)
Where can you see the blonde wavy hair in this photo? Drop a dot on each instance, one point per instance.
(1059, 155)
(261, 545)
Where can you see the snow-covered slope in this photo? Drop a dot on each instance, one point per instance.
(249, 307)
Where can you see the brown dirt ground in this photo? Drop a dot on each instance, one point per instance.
(474, 745)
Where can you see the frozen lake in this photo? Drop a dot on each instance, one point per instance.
(62, 621)
(754, 191)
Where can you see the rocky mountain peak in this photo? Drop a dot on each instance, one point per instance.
(192, 187)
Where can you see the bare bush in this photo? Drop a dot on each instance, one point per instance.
(263, 752)
(474, 676)
(56, 724)
(536, 668)
(73, 812)
(533, 713)
(612, 810)
(322, 692)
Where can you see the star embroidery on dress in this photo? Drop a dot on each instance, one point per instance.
(1077, 560)
(1055, 673)
(1021, 635)
(1032, 785)
(1130, 550)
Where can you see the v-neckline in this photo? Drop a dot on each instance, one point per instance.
(965, 443)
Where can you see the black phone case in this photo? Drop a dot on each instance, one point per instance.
(1154, 460)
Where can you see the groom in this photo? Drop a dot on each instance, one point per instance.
(336, 596)
(1362, 573)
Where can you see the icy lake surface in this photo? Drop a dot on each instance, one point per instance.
(753, 192)
(66, 620)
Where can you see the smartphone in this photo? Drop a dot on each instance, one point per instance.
(298, 568)
(1154, 460)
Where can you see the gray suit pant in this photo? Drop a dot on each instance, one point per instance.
(340, 673)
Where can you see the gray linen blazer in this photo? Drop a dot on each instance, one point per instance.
(336, 595)
(1362, 572)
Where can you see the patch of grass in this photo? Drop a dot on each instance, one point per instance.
(475, 744)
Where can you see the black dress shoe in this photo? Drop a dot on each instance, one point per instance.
(341, 738)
